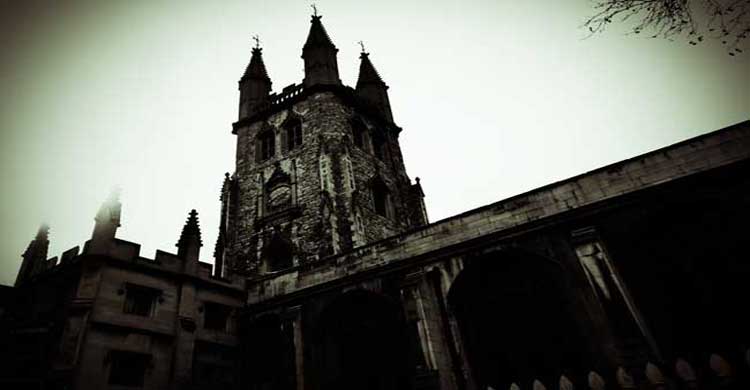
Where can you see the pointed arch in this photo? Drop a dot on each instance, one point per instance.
(360, 342)
(292, 133)
(515, 317)
(360, 136)
(379, 145)
(382, 202)
(265, 144)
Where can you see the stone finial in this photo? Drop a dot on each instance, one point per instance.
(720, 366)
(43, 233)
(624, 379)
(254, 85)
(225, 185)
(596, 382)
(35, 255)
(367, 72)
(371, 88)
(111, 209)
(319, 54)
(107, 221)
(191, 232)
(685, 371)
(565, 383)
(538, 385)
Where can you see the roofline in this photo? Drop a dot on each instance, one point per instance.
(609, 167)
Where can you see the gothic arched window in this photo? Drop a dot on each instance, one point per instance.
(381, 198)
(359, 134)
(265, 145)
(379, 145)
(293, 133)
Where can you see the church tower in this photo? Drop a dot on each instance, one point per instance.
(319, 169)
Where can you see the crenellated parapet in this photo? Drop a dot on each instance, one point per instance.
(104, 246)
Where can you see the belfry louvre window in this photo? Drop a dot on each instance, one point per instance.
(127, 368)
(139, 300)
(381, 199)
(293, 134)
(358, 134)
(379, 146)
(266, 145)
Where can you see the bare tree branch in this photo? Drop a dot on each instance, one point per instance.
(725, 20)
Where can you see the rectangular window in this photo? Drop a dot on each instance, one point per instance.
(216, 316)
(139, 300)
(127, 368)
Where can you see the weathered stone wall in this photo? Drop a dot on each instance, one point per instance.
(94, 367)
(701, 154)
(331, 208)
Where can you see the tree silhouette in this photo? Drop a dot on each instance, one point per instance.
(695, 20)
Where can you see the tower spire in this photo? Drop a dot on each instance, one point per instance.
(255, 85)
(371, 87)
(319, 53)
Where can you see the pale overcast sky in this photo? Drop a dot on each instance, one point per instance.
(495, 98)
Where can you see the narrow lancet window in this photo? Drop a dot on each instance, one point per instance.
(266, 145)
(293, 130)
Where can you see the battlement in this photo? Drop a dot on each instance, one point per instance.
(287, 93)
(123, 253)
(296, 92)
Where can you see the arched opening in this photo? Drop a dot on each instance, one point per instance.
(515, 320)
(381, 198)
(265, 145)
(686, 270)
(293, 133)
(379, 146)
(278, 253)
(359, 134)
(270, 360)
(362, 344)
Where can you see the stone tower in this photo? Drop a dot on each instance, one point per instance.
(319, 169)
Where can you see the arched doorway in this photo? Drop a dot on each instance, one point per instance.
(515, 320)
(362, 344)
(269, 354)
